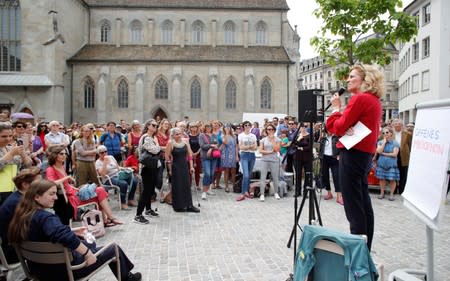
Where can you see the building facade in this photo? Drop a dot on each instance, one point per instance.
(425, 60)
(101, 60)
(315, 73)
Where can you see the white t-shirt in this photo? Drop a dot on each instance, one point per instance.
(247, 139)
(112, 168)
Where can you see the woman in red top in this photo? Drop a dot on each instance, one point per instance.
(366, 84)
(56, 172)
(134, 136)
(163, 137)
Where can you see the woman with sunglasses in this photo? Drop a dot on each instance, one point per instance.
(55, 172)
(387, 170)
(366, 84)
(247, 146)
(12, 157)
(269, 148)
(148, 142)
(32, 222)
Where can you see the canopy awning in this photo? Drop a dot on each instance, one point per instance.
(18, 79)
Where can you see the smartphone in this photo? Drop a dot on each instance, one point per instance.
(19, 142)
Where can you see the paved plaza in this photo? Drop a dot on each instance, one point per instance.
(247, 240)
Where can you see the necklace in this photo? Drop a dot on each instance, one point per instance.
(178, 144)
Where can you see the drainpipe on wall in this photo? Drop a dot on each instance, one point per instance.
(288, 88)
(71, 93)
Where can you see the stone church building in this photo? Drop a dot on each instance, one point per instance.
(102, 60)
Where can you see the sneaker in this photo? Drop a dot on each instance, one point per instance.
(193, 209)
(151, 213)
(240, 197)
(277, 196)
(134, 276)
(141, 220)
(328, 196)
(210, 192)
(261, 198)
(203, 195)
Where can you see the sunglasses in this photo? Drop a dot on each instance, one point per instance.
(247, 125)
(154, 125)
(386, 133)
(101, 152)
(19, 126)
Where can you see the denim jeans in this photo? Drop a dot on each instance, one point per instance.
(124, 188)
(209, 167)
(247, 161)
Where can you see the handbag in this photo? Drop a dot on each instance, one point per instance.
(125, 175)
(214, 153)
(148, 159)
(93, 221)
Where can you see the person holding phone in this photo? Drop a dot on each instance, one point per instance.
(12, 156)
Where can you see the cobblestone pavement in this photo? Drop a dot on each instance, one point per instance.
(247, 240)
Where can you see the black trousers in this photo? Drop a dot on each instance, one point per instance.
(330, 162)
(403, 174)
(58, 272)
(300, 167)
(149, 181)
(354, 167)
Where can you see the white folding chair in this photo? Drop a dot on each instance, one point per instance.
(106, 182)
(5, 266)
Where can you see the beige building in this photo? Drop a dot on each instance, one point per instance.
(101, 60)
(315, 73)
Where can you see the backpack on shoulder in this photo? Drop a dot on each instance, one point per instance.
(93, 221)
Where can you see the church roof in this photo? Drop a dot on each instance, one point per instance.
(192, 4)
(165, 53)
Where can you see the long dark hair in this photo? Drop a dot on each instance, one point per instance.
(52, 153)
(20, 223)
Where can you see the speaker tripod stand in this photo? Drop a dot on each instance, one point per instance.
(313, 207)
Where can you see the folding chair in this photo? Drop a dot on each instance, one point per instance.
(54, 253)
(328, 255)
(5, 266)
(108, 185)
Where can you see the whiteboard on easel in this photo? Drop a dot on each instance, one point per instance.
(426, 184)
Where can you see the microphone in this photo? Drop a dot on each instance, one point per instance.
(340, 92)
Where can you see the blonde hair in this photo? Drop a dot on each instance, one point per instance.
(373, 79)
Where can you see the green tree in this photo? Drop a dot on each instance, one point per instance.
(351, 21)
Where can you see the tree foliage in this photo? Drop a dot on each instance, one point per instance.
(351, 21)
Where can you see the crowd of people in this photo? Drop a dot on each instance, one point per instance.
(181, 151)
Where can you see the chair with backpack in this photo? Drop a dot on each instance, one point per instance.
(328, 255)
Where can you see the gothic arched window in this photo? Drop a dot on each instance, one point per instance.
(89, 93)
(161, 89)
(196, 94)
(10, 47)
(230, 95)
(122, 94)
(266, 95)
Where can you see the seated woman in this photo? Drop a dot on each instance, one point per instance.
(22, 181)
(56, 172)
(106, 165)
(32, 222)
